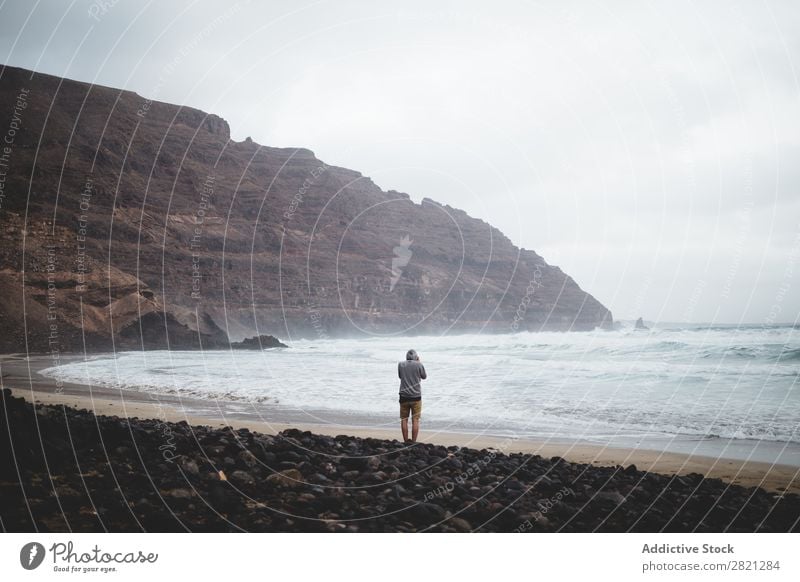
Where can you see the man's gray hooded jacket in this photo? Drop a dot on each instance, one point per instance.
(411, 372)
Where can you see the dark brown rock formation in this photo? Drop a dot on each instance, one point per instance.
(259, 343)
(141, 221)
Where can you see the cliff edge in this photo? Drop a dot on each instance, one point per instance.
(132, 223)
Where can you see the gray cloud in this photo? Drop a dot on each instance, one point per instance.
(648, 149)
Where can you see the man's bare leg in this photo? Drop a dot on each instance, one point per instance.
(414, 428)
(404, 428)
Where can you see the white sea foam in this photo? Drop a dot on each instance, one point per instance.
(704, 382)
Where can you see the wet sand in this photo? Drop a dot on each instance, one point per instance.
(20, 374)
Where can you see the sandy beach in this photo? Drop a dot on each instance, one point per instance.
(20, 374)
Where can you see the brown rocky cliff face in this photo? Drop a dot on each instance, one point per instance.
(191, 237)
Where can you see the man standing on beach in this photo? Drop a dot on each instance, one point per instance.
(411, 373)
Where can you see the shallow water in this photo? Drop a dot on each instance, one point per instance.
(603, 386)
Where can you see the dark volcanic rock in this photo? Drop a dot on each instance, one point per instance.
(376, 486)
(167, 232)
(258, 343)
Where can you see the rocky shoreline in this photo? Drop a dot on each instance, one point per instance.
(258, 342)
(70, 470)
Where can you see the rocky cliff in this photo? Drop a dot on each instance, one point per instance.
(131, 223)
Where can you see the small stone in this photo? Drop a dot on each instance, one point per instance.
(179, 493)
(459, 524)
(429, 511)
(66, 491)
(610, 496)
(247, 459)
(243, 478)
(287, 478)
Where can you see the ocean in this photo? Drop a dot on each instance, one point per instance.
(620, 387)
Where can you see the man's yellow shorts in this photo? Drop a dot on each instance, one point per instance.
(414, 408)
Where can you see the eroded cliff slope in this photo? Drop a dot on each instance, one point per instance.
(131, 223)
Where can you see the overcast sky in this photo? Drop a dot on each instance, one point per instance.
(649, 149)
